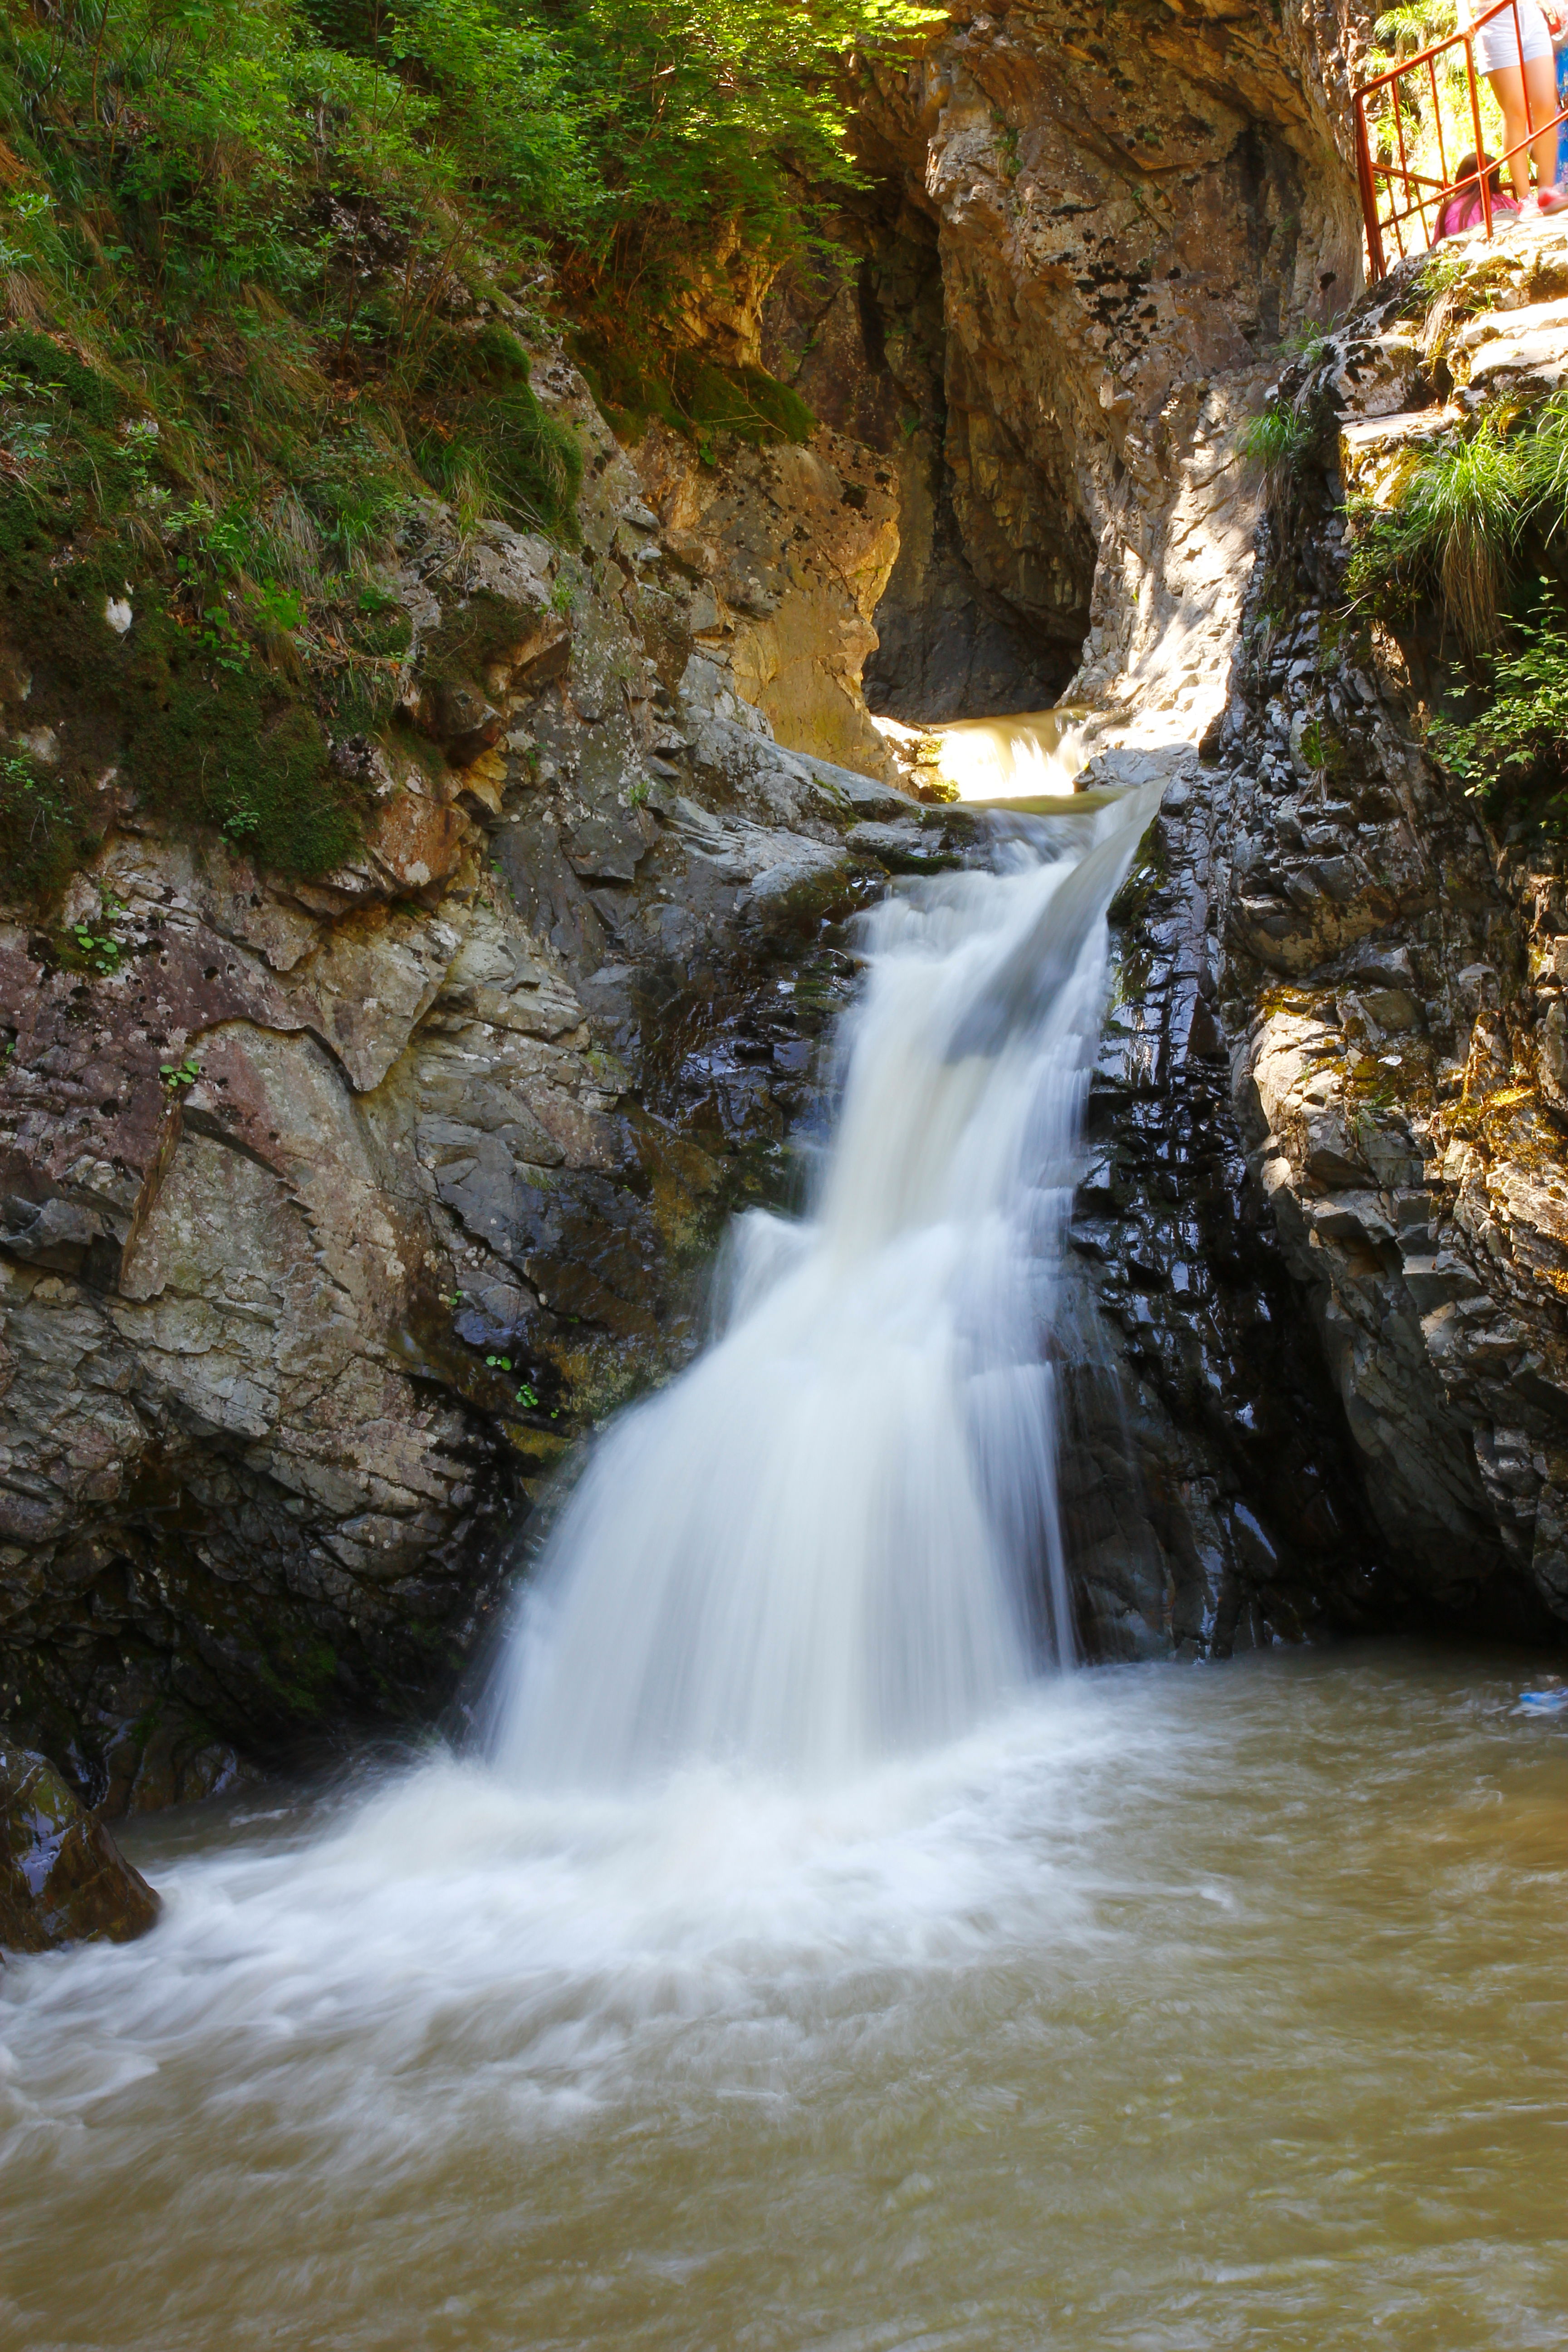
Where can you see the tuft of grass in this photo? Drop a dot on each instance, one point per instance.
(1451, 286)
(489, 447)
(1308, 341)
(1459, 523)
(1455, 524)
(1279, 441)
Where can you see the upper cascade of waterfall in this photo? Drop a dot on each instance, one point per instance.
(1027, 755)
(835, 1537)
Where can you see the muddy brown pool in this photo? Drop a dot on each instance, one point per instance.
(1182, 2008)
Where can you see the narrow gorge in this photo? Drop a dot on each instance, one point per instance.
(605, 1275)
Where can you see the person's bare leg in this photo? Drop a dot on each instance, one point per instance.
(1540, 78)
(1508, 83)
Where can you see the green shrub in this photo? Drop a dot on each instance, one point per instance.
(1522, 736)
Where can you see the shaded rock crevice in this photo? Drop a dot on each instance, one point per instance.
(868, 349)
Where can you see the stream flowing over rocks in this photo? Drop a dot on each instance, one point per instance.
(333, 1212)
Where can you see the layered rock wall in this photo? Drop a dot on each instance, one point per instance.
(1324, 1233)
(1391, 982)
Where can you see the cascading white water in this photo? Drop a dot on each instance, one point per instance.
(835, 1537)
(1027, 754)
(1033, 751)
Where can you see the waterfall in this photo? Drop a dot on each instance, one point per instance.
(835, 1537)
(1033, 751)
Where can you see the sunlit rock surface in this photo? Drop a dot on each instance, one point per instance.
(1086, 228)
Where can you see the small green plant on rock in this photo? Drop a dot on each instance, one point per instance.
(178, 1075)
(527, 1394)
(1308, 343)
(1524, 733)
(1279, 441)
(101, 951)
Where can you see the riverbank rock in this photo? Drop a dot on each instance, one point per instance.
(63, 1880)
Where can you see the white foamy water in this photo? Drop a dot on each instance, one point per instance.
(835, 1539)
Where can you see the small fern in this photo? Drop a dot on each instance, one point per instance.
(1526, 727)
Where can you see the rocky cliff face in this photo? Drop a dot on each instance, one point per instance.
(1323, 1237)
(1089, 225)
(1392, 984)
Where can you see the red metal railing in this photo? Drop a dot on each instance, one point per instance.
(1409, 193)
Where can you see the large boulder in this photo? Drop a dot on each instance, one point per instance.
(62, 1878)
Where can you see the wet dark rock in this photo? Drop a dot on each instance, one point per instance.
(63, 1880)
(1211, 1499)
(1384, 974)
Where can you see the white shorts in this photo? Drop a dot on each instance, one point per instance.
(1497, 44)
